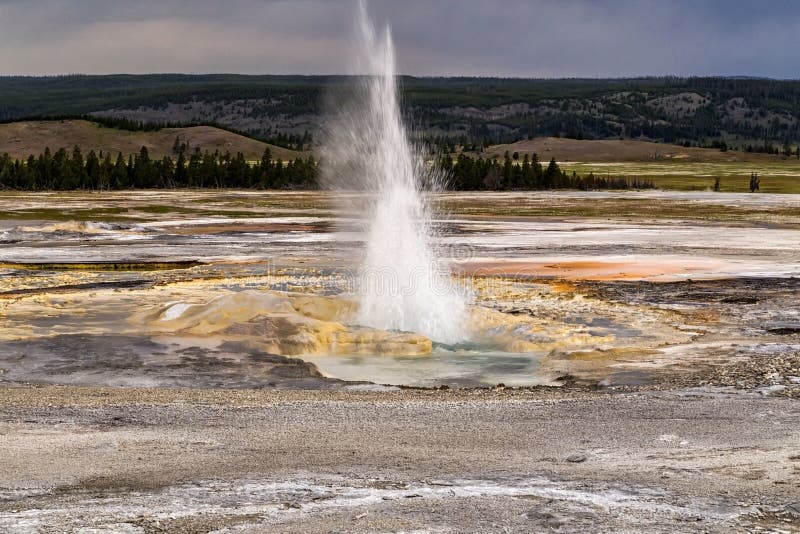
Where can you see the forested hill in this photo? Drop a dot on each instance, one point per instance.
(738, 112)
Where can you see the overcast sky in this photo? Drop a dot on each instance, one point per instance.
(533, 38)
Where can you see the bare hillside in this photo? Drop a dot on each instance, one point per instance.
(21, 139)
(615, 150)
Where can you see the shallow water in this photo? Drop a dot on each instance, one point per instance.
(453, 368)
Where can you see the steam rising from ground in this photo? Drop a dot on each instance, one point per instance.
(402, 284)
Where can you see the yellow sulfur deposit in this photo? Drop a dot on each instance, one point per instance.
(282, 323)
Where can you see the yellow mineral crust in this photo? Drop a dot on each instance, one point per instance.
(281, 323)
(300, 324)
(522, 333)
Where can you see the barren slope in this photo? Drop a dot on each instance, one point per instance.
(614, 150)
(20, 139)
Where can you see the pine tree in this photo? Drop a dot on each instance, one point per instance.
(181, 178)
(119, 175)
(91, 171)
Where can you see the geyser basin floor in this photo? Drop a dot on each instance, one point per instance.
(620, 333)
(709, 441)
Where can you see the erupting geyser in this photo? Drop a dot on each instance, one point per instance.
(402, 284)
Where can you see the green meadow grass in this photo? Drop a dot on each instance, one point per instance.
(777, 177)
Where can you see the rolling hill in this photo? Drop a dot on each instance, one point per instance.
(665, 165)
(615, 150)
(21, 139)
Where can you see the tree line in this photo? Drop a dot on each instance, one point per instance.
(65, 170)
(99, 171)
(469, 174)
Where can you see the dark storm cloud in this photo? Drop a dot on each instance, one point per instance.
(445, 37)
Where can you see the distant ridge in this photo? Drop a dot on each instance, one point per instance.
(738, 110)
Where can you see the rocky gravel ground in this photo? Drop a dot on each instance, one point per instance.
(78, 459)
(773, 375)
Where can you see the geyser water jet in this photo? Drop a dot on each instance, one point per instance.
(402, 284)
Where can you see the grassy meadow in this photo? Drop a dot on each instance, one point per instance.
(776, 177)
(670, 167)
